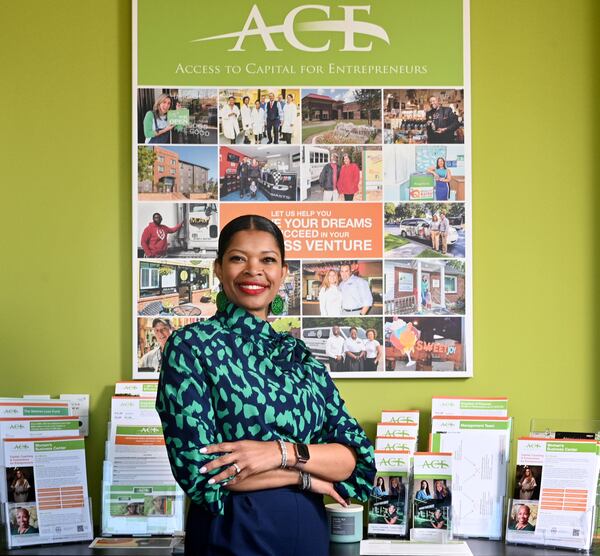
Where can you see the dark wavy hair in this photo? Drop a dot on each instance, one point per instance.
(249, 222)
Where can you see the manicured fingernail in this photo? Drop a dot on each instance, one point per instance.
(211, 481)
(224, 483)
(203, 450)
(203, 470)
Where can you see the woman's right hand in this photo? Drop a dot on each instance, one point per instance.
(319, 486)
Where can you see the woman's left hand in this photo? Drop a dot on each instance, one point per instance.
(251, 457)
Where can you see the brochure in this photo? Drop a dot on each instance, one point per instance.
(128, 409)
(388, 501)
(556, 484)
(477, 407)
(20, 407)
(408, 416)
(140, 388)
(393, 444)
(80, 405)
(47, 491)
(432, 496)
(479, 472)
(124, 543)
(398, 430)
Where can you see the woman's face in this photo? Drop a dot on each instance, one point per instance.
(380, 482)
(439, 486)
(370, 335)
(22, 519)
(257, 105)
(523, 515)
(165, 105)
(353, 333)
(332, 277)
(18, 475)
(346, 159)
(424, 485)
(440, 162)
(527, 472)
(251, 271)
(391, 509)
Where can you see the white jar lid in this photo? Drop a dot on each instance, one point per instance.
(351, 509)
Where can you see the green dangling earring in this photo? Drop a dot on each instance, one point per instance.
(277, 305)
(222, 301)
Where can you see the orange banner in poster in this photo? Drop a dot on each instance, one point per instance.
(320, 230)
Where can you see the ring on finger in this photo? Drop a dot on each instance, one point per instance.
(237, 468)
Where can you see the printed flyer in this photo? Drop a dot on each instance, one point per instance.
(469, 407)
(348, 129)
(388, 501)
(432, 497)
(556, 487)
(55, 506)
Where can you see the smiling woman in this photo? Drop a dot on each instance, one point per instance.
(254, 425)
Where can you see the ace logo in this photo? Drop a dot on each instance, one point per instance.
(256, 26)
(435, 464)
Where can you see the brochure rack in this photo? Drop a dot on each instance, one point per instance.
(565, 428)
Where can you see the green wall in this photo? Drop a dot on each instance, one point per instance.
(66, 272)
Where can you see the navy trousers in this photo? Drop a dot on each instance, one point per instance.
(275, 522)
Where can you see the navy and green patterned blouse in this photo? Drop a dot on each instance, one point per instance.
(232, 377)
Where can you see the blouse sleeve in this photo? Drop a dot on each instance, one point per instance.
(188, 418)
(341, 428)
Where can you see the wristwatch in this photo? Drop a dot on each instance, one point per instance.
(302, 453)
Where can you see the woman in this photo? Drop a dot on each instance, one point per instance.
(391, 515)
(289, 118)
(258, 121)
(442, 494)
(230, 114)
(527, 485)
(437, 520)
(246, 114)
(157, 128)
(372, 350)
(396, 487)
(354, 349)
(330, 295)
(424, 290)
(521, 519)
(253, 177)
(424, 493)
(379, 488)
(347, 183)
(254, 427)
(435, 232)
(20, 487)
(442, 177)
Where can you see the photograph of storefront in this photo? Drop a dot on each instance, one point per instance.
(341, 116)
(346, 345)
(152, 334)
(177, 116)
(424, 173)
(342, 288)
(179, 230)
(424, 287)
(274, 176)
(424, 230)
(177, 173)
(425, 344)
(423, 116)
(176, 288)
(250, 118)
(320, 184)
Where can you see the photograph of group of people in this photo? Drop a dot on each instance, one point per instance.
(432, 499)
(177, 116)
(342, 288)
(345, 345)
(259, 173)
(424, 230)
(177, 230)
(424, 173)
(341, 173)
(259, 116)
(433, 116)
(341, 116)
(180, 173)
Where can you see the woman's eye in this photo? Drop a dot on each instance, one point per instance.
(269, 260)
(236, 258)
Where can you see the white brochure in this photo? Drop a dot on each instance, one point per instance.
(80, 405)
(136, 388)
(129, 409)
(556, 484)
(393, 444)
(48, 494)
(398, 430)
(477, 407)
(21, 407)
(479, 471)
(400, 416)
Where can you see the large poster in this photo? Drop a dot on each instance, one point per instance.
(348, 124)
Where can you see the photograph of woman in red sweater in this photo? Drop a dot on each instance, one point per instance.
(347, 183)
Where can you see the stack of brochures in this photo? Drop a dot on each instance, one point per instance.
(139, 494)
(398, 431)
(43, 488)
(477, 432)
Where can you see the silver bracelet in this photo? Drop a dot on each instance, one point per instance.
(283, 453)
(305, 480)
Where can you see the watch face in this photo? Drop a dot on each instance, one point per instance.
(302, 451)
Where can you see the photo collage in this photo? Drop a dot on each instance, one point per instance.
(387, 294)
